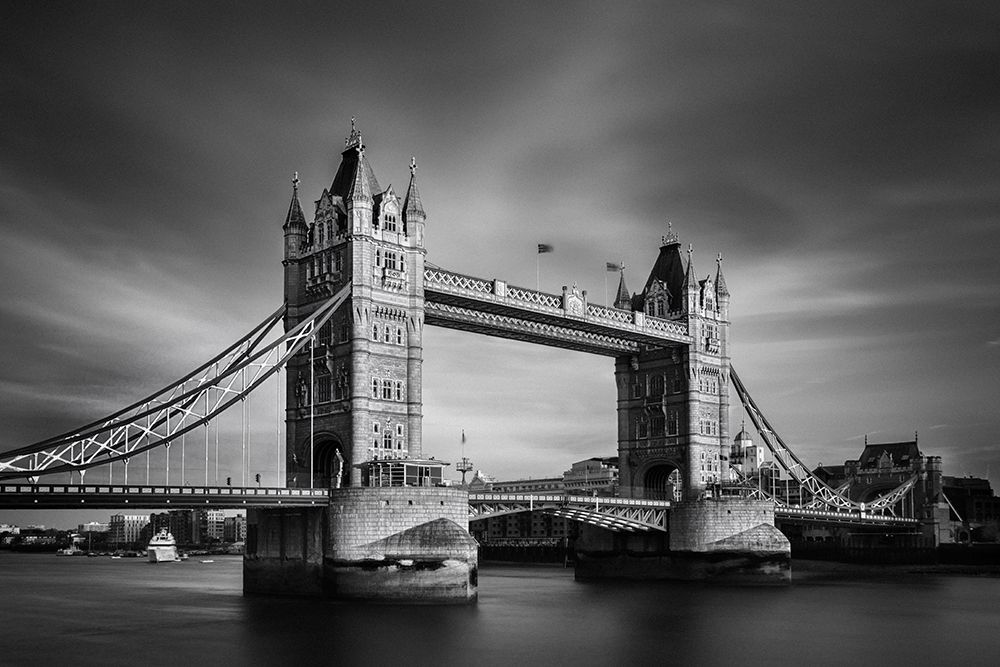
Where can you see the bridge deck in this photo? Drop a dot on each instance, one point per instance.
(120, 496)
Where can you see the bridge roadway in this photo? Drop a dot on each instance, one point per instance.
(121, 496)
(618, 514)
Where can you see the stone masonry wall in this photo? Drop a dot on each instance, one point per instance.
(711, 525)
(360, 516)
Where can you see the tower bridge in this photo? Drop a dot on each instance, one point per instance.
(359, 487)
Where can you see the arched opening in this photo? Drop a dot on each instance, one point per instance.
(662, 482)
(329, 465)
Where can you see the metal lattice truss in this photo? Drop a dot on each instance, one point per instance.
(163, 417)
(495, 308)
(506, 326)
(822, 495)
(619, 514)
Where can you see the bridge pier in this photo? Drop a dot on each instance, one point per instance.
(398, 544)
(726, 539)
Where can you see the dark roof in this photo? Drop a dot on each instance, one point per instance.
(668, 269)
(830, 471)
(295, 216)
(720, 281)
(901, 453)
(969, 485)
(622, 300)
(413, 208)
(347, 175)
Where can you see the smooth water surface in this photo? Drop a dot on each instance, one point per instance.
(99, 611)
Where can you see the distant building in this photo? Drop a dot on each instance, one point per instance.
(745, 456)
(92, 527)
(209, 526)
(481, 482)
(182, 526)
(125, 529)
(973, 508)
(235, 529)
(593, 476)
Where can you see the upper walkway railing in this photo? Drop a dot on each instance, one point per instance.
(570, 310)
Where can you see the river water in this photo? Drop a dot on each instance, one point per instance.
(99, 611)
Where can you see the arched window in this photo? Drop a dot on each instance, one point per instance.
(375, 332)
(375, 394)
(399, 336)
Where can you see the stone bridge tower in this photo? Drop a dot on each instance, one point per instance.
(673, 403)
(361, 398)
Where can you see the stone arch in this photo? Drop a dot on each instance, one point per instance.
(327, 464)
(661, 480)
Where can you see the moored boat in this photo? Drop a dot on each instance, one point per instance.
(162, 548)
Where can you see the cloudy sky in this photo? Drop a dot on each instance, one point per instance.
(842, 156)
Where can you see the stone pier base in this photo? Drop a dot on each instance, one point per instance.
(399, 544)
(728, 539)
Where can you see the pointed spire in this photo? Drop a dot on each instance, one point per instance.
(622, 300)
(690, 281)
(413, 208)
(361, 187)
(295, 217)
(720, 281)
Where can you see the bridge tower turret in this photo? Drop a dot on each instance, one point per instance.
(361, 398)
(296, 233)
(673, 403)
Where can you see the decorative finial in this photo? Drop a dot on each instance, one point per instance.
(354, 139)
(718, 259)
(413, 166)
(670, 236)
(295, 182)
(621, 267)
(690, 249)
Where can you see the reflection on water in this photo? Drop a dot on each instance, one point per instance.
(86, 611)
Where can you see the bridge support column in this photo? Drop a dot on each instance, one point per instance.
(401, 544)
(731, 539)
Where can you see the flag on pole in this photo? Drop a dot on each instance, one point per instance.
(613, 267)
(544, 247)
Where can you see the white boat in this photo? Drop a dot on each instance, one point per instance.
(162, 548)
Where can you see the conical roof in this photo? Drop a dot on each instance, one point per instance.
(720, 282)
(413, 208)
(295, 217)
(690, 280)
(622, 299)
(669, 270)
(355, 175)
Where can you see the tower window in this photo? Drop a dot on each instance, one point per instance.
(387, 390)
(375, 332)
(672, 422)
(323, 389)
(375, 391)
(399, 336)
